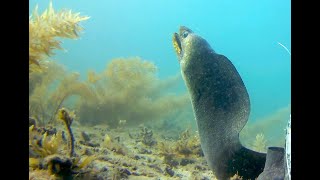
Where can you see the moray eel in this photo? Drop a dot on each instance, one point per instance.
(221, 106)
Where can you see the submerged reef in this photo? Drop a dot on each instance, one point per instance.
(51, 157)
(113, 154)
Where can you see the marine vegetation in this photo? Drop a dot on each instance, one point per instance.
(260, 143)
(121, 123)
(271, 127)
(45, 75)
(50, 89)
(182, 151)
(109, 97)
(48, 155)
(111, 153)
(46, 28)
(236, 177)
(114, 145)
(129, 89)
(67, 118)
(44, 145)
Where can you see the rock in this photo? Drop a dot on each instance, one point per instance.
(125, 171)
(91, 144)
(157, 168)
(49, 130)
(137, 157)
(125, 164)
(145, 151)
(32, 121)
(205, 178)
(58, 164)
(200, 168)
(185, 161)
(87, 152)
(85, 136)
(169, 171)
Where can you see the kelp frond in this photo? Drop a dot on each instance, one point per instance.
(49, 145)
(129, 89)
(260, 143)
(45, 28)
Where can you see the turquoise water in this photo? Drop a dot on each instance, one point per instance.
(247, 32)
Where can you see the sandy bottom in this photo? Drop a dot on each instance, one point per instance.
(129, 153)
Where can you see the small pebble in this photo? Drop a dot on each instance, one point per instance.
(169, 171)
(125, 171)
(85, 136)
(185, 161)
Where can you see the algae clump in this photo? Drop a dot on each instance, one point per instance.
(44, 30)
(129, 89)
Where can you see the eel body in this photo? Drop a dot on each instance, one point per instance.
(221, 106)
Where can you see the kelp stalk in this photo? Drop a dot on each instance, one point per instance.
(67, 119)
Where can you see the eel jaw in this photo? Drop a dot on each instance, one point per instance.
(177, 45)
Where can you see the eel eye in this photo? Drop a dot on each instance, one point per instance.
(185, 34)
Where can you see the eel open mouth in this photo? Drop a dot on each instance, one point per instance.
(177, 44)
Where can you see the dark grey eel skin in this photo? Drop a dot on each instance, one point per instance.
(221, 106)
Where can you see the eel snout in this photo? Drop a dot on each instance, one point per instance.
(177, 45)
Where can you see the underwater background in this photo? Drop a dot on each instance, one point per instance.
(250, 33)
(247, 32)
